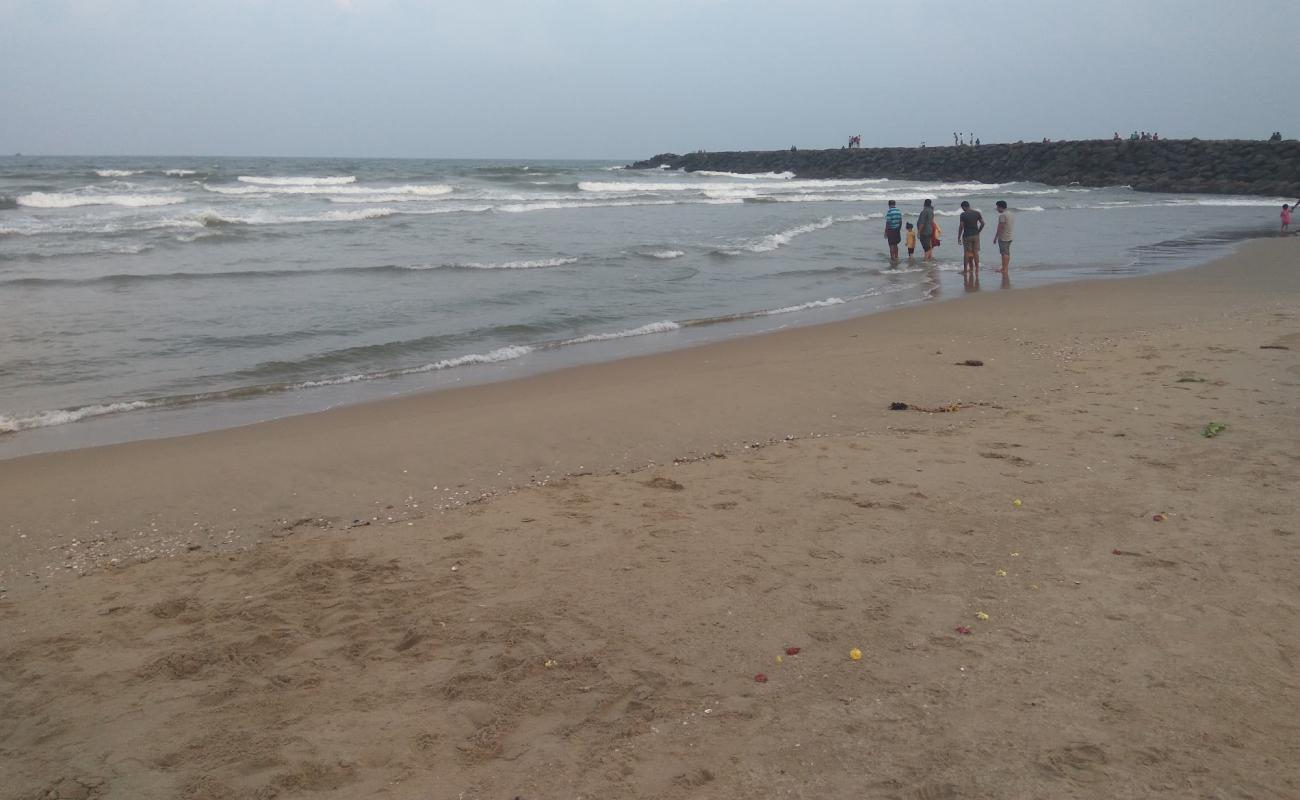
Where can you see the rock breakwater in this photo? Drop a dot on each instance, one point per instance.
(1179, 165)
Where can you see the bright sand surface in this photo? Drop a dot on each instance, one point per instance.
(599, 635)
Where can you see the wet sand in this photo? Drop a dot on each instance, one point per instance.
(564, 586)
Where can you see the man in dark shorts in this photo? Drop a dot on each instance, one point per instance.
(925, 229)
(1005, 233)
(893, 229)
(969, 226)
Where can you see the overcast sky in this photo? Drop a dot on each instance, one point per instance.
(631, 78)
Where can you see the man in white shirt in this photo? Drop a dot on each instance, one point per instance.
(1006, 229)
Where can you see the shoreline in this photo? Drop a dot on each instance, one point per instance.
(94, 486)
(1056, 584)
(157, 419)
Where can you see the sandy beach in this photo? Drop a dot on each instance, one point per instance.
(567, 586)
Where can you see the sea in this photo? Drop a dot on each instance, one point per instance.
(145, 297)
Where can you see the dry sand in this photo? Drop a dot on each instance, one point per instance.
(598, 635)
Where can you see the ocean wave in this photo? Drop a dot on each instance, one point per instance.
(755, 185)
(644, 330)
(124, 278)
(1031, 208)
(42, 419)
(555, 205)
(508, 353)
(830, 301)
(663, 254)
(214, 219)
(260, 180)
(540, 263)
(772, 241)
(750, 176)
(1260, 202)
(812, 304)
(63, 416)
(72, 199)
(412, 191)
(116, 173)
(180, 173)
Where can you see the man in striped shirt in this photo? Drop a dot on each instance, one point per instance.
(893, 229)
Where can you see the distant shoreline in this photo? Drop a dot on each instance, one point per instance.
(1182, 165)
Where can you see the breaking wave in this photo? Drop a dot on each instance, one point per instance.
(73, 199)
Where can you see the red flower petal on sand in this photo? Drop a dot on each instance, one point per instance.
(1117, 552)
(792, 651)
(1159, 518)
(962, 629)
(760, 678)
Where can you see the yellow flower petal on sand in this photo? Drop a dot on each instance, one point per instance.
(1002, 573)
(855, 654)
(981, 615)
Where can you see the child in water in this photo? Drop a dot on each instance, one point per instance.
(911, 240)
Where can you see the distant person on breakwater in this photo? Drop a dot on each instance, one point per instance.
(969, 226)
(911, 240)
(925, 230)
(893, 229)
(1006, 228)
(1286, 217)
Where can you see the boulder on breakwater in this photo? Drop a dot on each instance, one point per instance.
(1168, 165)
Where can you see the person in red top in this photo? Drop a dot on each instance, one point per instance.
(1286, 217)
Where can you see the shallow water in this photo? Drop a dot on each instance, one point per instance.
(155, 296)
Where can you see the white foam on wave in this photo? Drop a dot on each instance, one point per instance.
(386, 194)
(1031, 208)
(541, 263)
(116, 173)
(772, 241)
(749, 176)
(554, 205)
(264, 218)
(845, 197)
(635, 187)
(63, 416)
(644, 330)
(304, 180)
(758, 183)
(73, 199)
(830, 301)
(180, 173)
(340, 193)
(665, 254)
(1260, 202)
(508, 353)
(730, 193)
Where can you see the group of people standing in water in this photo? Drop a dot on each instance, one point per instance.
(970, 224)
